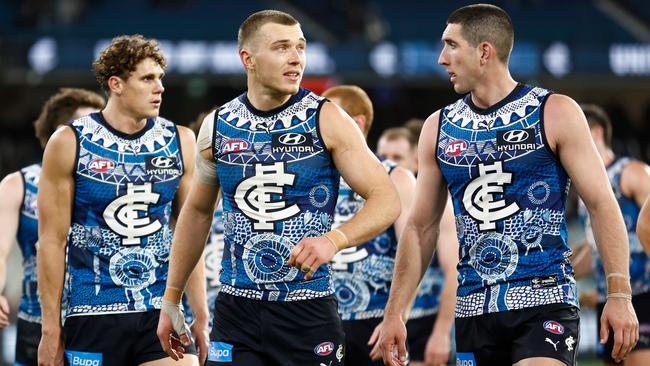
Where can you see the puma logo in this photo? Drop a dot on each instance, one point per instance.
(551, 342)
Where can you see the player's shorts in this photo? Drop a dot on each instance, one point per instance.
(418, 332)
(357, 334)
(641, 304)
(28, 336)
(251, 332)
(114, 339)
(508, 337)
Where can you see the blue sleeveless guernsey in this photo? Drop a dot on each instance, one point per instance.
(279, 186)
(120, 237)
(27, 237)
(427, 300)
(639, 260)
(362, 274)
(509, 193)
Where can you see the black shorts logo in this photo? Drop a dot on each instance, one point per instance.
(292, 142)
(511, 140)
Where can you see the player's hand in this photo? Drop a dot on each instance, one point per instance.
(50, 349)
(199, 329)
(310, 253)
(4, 312)
(172, 320)
(437, 350)
(375, 352)
(392, 341)
(619, 315)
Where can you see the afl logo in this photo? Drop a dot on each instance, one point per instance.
(324, 349)
(163, 162)
(101, 165)
(292, 138)
(515, 136)
(235, 145)
(456, 147)
(553, 327)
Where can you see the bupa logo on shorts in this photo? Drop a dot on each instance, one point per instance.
(161, 165)
(553, 327)
(234, 145)
(324, 349)
(101, 165)
(83, 358)
(465, 359)
(456, 147)
(516, 140)
(292, 142)
(220, 352)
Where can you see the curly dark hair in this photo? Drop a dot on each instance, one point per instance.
(122, 56)
(60, 108)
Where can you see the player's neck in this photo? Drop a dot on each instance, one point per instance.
(494, 87)
(121, 119)
(265, 99)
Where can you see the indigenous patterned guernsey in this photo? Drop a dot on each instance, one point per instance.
(362, 274)
(639, 260)
(120, 237)
(279, 186)
(27, 237)
(509, 193)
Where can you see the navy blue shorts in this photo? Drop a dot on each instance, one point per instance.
(357, 334)
(508, 337)
(251, 332)
(641, 304)
(418, 332)
(115, 339)
(28, 336)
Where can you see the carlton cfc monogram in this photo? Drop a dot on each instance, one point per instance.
(122, 215)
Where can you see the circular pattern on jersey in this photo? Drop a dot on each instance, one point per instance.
(494, 256)
(382, 243)
(264, 259)
(314, 198)
(532, 237)
(539, 192)
(133, 268)
(352, 295)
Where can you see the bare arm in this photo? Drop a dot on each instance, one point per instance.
(363, 172)
(568, 135)
(643, 226)
(635, 182)
(581, 260)
(11, 193)
(448, 259)
(416, 245)
(55, 201)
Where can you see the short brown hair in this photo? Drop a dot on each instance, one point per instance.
(415, 126)
(60, 108)
(396, 133)
(122, 56)
(596, 116)
(486, 23)
(354, 101)
(255, 21)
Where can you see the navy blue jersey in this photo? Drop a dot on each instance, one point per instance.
(509, 194)
(120, 236)
(362, 274)
(639, 260)
(27, 237)
(279, 186)
(427, 300)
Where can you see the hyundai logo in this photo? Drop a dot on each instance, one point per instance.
(515, 136)
(162, 162)
(292, 138)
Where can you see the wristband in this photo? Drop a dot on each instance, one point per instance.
(619, 295)
(619, 275)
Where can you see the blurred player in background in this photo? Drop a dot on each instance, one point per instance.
(630, 180)
(19, 218)
(362, 274)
